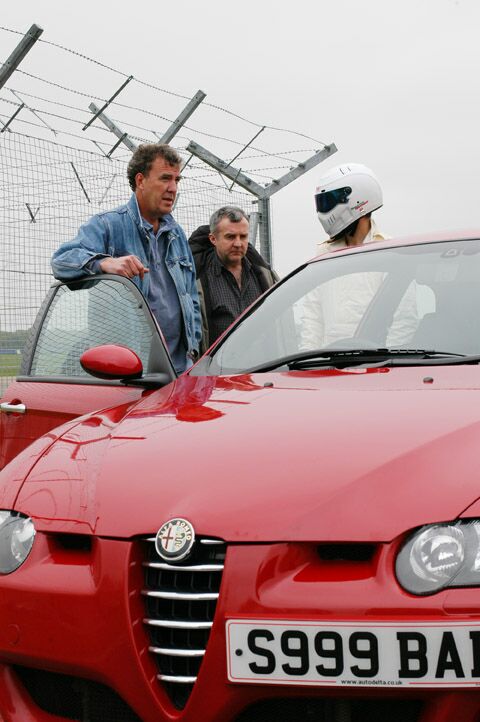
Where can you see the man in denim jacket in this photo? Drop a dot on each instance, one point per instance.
(142, 241)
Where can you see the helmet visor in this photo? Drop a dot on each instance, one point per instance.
(327, 200)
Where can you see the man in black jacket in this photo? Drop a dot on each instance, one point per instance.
(231, 274)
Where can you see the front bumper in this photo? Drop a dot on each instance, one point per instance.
(73, 619)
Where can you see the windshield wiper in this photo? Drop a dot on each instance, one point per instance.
(436, 359)
(342, 358)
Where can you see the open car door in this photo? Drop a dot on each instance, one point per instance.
(52, 387)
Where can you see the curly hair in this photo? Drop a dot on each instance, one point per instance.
(143, 158)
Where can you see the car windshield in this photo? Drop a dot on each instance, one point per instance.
(421, 300)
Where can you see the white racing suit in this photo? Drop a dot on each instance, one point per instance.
(333, 311)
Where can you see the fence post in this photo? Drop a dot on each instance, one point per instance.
(263, 194)
(183, 117)
(265, 229)
(253, 228)
(123, 137)
(16, 57)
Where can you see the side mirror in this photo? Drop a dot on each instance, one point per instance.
(112, 362)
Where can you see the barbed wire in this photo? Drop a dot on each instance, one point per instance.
(157, 115)
(139, 127)
(64, 132)
(73, 52)
(169, 92)
(262, 153)
(257, 172)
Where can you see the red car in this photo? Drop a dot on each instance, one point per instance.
(290, 531)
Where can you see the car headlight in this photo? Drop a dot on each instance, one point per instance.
(439, 556)
(16, 540)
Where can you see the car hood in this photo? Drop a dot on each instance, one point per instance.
(354, 455)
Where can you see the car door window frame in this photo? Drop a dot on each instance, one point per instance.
(159, 361)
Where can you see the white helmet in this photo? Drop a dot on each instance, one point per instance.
(345, 194)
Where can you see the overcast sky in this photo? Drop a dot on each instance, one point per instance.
(393, 84)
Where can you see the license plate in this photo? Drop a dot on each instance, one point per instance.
(354, 653)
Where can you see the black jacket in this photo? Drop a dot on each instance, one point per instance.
(202, 248)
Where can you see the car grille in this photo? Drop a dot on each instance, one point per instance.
(322, 709)
(74, 698)
(180, 604)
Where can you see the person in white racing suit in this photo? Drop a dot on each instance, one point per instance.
(345, 199)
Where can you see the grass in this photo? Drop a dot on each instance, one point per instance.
(10, 364)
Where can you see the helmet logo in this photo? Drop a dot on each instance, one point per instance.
(174, 540)
(360, 205)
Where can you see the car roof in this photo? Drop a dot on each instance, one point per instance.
(412, 240)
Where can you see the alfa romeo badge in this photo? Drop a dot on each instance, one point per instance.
(175, 540)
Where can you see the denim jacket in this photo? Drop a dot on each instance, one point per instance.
(120, 233)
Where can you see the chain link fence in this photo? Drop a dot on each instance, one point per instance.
(46, 192)
(58, 168)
